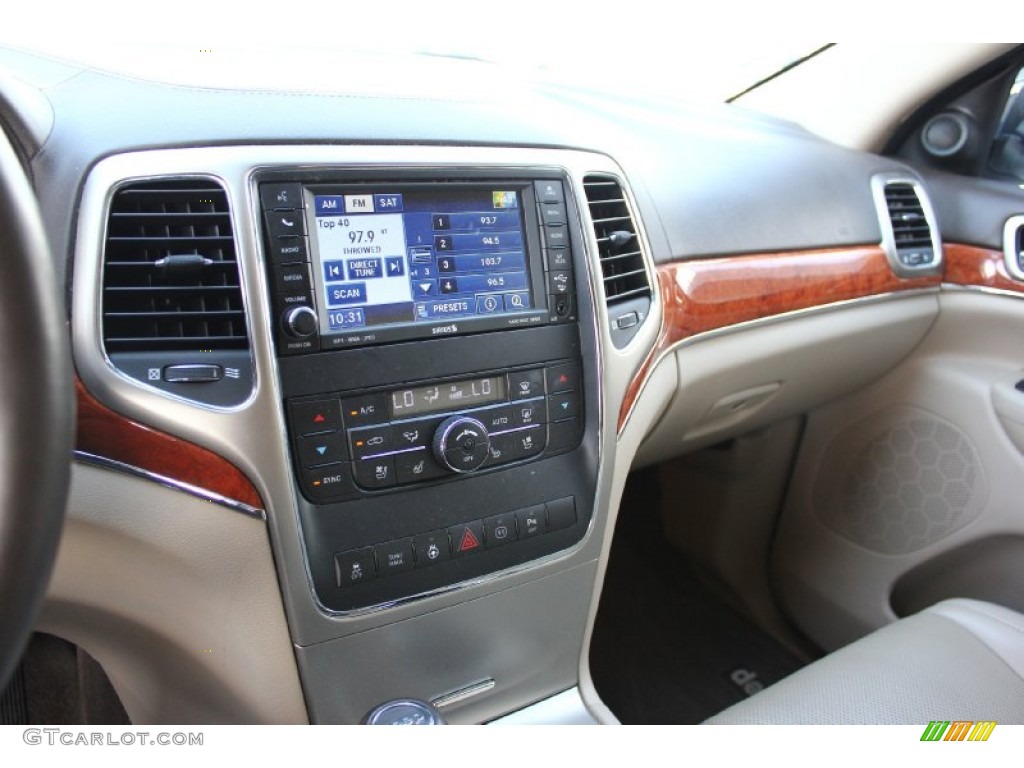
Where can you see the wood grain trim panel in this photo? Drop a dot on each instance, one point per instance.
(104, 433)
(708, 294)
(980, 267)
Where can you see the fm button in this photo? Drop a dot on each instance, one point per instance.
(461, 444)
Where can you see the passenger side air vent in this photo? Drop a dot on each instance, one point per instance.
(626, 284)
(170, 275)
(1013, 246)
(173, 313)
(908, 228)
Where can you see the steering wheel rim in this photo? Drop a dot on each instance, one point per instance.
(36, 410)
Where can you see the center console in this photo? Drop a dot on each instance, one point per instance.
(431, 367)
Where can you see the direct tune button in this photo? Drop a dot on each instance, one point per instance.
(461, 444)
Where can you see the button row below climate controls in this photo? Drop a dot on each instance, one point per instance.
(426, 549)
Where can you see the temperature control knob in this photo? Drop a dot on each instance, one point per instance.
(299, 322)
(461, 444)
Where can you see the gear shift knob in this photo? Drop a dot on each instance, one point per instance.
(405, 712)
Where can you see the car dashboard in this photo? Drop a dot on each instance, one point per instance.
(360, 378)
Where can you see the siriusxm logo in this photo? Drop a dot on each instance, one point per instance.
(443, 329)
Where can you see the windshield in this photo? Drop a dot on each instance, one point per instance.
(640, 48)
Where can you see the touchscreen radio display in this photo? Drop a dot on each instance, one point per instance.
(421, 255)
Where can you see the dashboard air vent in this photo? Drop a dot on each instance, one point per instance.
(622, 262)
(1013, 246)
(170, 275)
(912, 235)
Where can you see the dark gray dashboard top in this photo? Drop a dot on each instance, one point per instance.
(710, 180)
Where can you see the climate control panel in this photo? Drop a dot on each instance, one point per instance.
(350, 444)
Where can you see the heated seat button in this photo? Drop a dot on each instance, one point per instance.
(532, 521)
(417, 466)
(516, 445)
(501, 449)
(561, 513)
(394, 556)
(378, 472)
(500, 529)
(526, 442)
(431, 548)
(355, 566)
(467, 538)
(328, 448)
(315, 416)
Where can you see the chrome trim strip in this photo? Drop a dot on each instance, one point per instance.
(450, 699)
(988, 291)
(177, 485)
(565, 708)
(1010, 252)
(771, 320)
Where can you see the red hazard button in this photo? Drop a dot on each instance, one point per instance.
(468, 537)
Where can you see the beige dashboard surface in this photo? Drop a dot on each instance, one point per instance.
(177, 599)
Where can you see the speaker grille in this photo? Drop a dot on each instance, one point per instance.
(899, 482)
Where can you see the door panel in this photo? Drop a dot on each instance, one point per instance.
(915, 476)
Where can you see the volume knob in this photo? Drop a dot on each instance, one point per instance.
(461, 444)
(299, 322)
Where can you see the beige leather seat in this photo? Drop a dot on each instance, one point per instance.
(958, 660)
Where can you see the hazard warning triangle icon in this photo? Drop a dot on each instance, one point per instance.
(469, 541)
